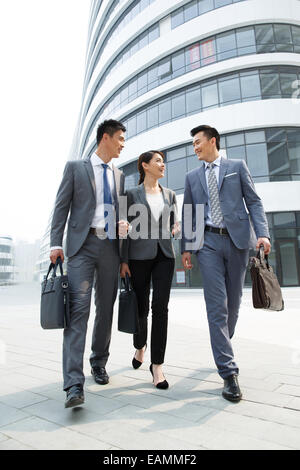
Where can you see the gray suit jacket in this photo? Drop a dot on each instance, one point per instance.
(236, 189)
(146, 248)
(77, 195)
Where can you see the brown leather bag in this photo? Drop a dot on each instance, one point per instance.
(266, 292)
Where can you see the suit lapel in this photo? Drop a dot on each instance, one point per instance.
(90, 172)
(223, 171)
(201, 174)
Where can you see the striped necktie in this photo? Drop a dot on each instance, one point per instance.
(107, 199)
(213, 190)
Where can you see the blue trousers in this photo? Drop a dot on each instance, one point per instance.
(223, 267)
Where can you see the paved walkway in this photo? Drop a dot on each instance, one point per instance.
(130, 413)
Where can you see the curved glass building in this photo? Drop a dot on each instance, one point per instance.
(165, 66)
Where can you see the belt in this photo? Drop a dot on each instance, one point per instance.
(99, 232)
(220, 231)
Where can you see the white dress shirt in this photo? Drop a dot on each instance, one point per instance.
(98, 219)
(216, 169)
(156, 203)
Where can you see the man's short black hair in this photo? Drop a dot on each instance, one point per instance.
(209, 132)
(109, 127)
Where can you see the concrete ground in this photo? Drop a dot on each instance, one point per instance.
(129, 412)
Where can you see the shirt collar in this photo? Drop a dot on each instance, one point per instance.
(97, 161)
(215, 162)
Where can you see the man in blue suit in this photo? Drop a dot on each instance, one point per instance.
(225, 189)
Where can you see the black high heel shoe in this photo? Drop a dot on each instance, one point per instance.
(162, 385)
(135, 363)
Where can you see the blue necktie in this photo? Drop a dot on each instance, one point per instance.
(107, 198)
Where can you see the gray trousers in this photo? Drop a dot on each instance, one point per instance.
(96, 260)
(223, 268)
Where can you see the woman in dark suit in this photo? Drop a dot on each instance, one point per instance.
(151, 257)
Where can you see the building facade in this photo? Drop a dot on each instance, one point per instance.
(165, 66)
(7, 268)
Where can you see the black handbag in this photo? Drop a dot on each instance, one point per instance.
(266, 292)
(128, 320)
(55, 299)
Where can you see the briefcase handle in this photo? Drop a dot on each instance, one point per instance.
(262, 257)
(126, 283)
(54, 267)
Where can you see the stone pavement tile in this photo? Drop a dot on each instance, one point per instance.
(275, 433)
(161, 404)
(42, 435)
(281, 379)
(294, 404)
(12, 444)
(40, 373)
(131, 437)
(8, 415)
(24, 382)
(3, 437)
(116, 385)
(268, 398)
(20, 398)
(293, 390)
(93, 411)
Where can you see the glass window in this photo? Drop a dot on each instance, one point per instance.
(226, 45)
(275, 135)
(144, 4)
(178, 64)
(176, 174)
(141, 122)
(192, 55)
(134, 47)
(205, 5)
(142, 83)
(278, 160)
(190, 150)
(253, 137)
(235, 139)
(177, 18)
(250, 86)
(164, 111)
(283, 34)
(286, 81)
(293, 135)
(208, 51)
(229, 90)
(192, 162)
(209, 95)
(270, 85)
(178, 105)
(193, 101)
(131, 127)
(190, 10)
(152, 77)
(294, 154)
(154, 32)
(176, 153)
(143, 40)
(164, 67)
(236, 152)
(152, 117)
(222, 3)
(257, 160)
(245, 38)
(296, 35)
(284, 219)
(264, 38)
(132, 89)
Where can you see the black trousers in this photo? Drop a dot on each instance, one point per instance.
(160, 270)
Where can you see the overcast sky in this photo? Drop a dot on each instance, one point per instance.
(43, 47)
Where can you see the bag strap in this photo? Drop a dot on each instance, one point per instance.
(58, 263)
(262, 256)
(126, 283)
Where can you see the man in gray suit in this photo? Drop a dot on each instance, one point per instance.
(90, 191)
(224, 187)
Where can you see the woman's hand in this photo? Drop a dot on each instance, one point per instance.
(176, 229)
(124, 269)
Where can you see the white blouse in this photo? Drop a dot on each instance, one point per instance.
(156, 203)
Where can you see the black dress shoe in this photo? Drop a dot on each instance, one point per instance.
(231, 389)
(100, 375)
(135, 363)
(75, 396)
(162, 385)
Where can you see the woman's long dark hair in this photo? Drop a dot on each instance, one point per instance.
(146, 157)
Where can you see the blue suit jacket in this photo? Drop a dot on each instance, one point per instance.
(236, 190)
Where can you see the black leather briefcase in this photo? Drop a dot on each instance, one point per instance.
(54, 311)
(266, 292)
(128, 320)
